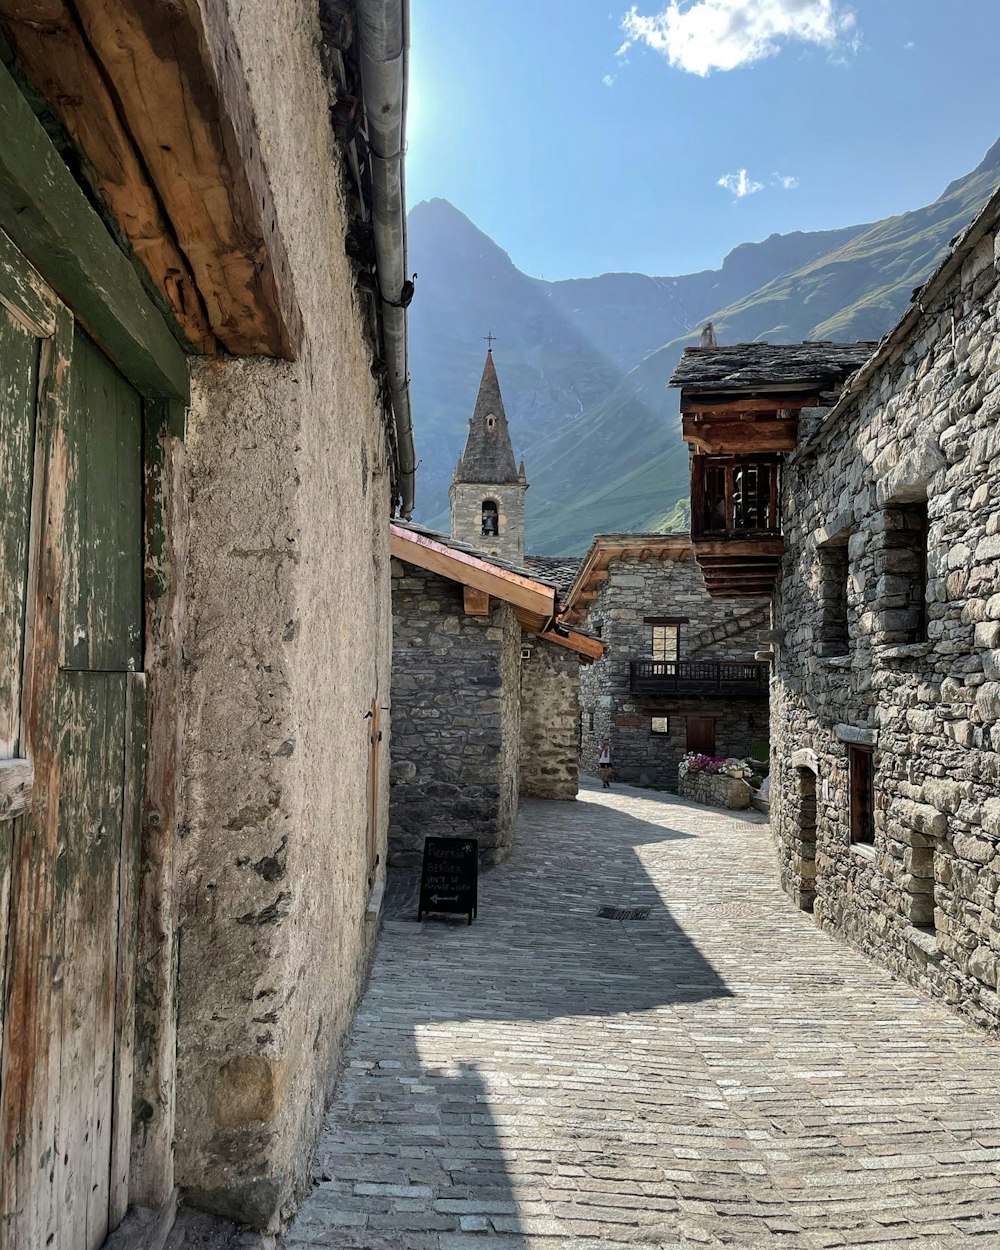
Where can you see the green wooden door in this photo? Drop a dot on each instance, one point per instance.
(71, 702)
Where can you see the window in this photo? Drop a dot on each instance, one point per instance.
(862, 783)
(834, 569)
(902, 587)
(665, 640)
(590, 721)
(491, 422)
(659, 725)
(491, 518)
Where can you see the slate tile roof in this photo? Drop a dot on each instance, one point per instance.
(742, 365)
(559, 571)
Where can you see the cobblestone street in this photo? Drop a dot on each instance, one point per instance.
(718, 1074)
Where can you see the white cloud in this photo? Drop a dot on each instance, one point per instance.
(909, 46)
(740, 184)
(609, 80)
(788, 182)
(725, 34)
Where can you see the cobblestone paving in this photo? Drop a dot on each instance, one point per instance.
(720, 1074)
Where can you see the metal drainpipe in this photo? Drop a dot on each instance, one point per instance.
(383, 27)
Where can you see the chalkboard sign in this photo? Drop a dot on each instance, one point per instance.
(450, 878)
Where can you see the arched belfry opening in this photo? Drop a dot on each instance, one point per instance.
(490, 518)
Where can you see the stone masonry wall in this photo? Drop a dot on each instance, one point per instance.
(550, 722)
(715, 790)
(923, 900)
(636, 589)
(287, 643)
(455, 718)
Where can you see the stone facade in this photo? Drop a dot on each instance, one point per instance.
(287, 644)
(456, 718)
(715, 790)
(634, 590)
(889, 603)
(550, 722)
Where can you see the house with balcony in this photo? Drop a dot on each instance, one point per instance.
(679, 672)
(883, 554)
(742, 407)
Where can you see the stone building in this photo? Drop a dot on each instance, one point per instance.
(886, 687)
(204, 428)
(488, 489)
(679, 671)
(484, 681)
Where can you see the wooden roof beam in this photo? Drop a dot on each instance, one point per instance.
(156, 97)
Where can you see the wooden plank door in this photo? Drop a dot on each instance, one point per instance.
(71, 682)
(701, 734)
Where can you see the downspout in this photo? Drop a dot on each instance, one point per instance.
(383, 27)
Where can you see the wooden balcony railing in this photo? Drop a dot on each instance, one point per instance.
(735, 497)
(699, 677)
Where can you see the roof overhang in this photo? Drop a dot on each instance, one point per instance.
(534, 602)
(607, 548)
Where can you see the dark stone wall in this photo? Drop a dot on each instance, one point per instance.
(455, 718)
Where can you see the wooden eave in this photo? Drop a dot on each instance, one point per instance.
(154, 96)
(608, 547)
(469, 570)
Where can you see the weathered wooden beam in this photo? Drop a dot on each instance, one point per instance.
(17, 780)
(739, 547)
(177, 76)
(721, 437)
(476, 602)
(765, 404)
(471, 570)
(62, 67)
(590, 648)
(46, 214)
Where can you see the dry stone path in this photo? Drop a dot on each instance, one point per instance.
(719, 1074)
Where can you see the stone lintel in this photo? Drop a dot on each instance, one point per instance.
(806, 757)
(856, 734)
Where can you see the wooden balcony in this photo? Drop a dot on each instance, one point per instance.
(736, 523)
(734, 679)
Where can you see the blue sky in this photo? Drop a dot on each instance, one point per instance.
(579, 158)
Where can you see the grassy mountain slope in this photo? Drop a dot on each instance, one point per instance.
(857, 291)
(584, 363)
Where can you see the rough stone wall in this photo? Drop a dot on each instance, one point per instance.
(287, 643)
(455, 718)
(467, 517)
(550, 722)
(715, 790)
(636, 589)
(922, 899)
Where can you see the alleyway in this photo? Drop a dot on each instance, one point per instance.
(718, 1074)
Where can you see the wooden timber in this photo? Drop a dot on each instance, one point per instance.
(47, 216)
(17, 780)
(175, 153)
(476, 602)
(720, 437)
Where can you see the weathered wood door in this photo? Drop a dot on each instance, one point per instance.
(71, 703)
(701, 734)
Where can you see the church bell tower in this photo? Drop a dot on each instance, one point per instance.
(487, 491)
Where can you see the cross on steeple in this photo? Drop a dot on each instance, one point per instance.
(490, 338)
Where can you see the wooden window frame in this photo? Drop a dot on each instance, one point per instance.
(675, 625)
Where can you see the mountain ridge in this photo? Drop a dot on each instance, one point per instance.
(584, 362)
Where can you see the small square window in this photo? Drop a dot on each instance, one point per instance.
(659, 725)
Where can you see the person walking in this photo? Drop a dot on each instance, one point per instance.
(605, 763)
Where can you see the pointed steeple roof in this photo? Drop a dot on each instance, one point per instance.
(488, 455)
